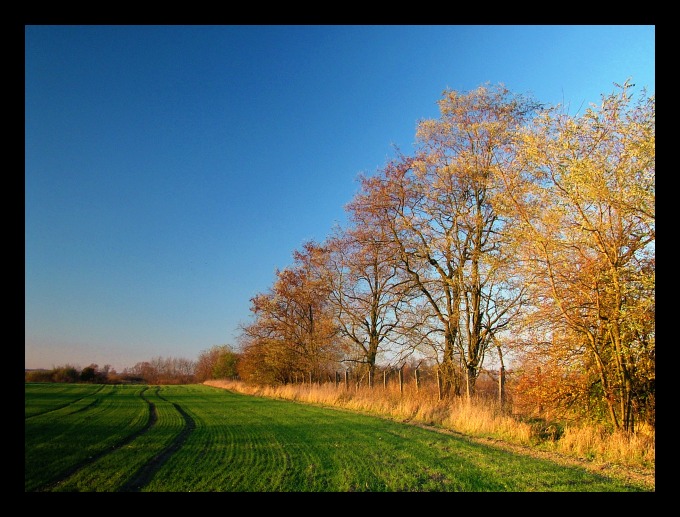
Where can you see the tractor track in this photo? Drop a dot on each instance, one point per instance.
(144, 474)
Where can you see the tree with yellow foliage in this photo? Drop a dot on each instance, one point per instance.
(582, 196)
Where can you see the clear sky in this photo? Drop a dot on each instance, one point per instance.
(170, 170)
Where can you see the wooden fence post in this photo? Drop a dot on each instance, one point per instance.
(417, 374)
(384, 379)
(501, 388)
(346, 379)
(439, 384)
(401, 380)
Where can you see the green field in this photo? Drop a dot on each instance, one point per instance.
(196, 438)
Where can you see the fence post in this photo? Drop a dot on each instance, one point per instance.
(439, 384)
(501, 388)
(370, 379)
(347, 379)
(384, 379)
(401, 380)
(417, 379)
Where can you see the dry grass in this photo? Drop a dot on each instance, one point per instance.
(477, 418)
(619, 447)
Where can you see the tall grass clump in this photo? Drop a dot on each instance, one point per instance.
(597, 443)
(483, 417)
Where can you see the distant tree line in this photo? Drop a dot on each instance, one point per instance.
(70, 373)
(218, 362)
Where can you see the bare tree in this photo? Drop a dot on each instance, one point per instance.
(367, 290)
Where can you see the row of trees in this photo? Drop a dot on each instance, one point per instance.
(70, 373)
(217, 362)
(514, 232)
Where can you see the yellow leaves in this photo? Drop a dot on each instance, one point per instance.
(426, 128)
(420, 167)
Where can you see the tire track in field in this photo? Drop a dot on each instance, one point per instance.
(146, 472)
(153, 417)
(96, 401)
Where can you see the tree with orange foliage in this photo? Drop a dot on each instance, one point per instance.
(294, 333)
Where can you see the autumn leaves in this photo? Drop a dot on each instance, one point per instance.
(513, 227)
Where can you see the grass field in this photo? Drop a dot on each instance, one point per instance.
(197, 438)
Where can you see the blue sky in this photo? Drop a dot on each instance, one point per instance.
(170, 170)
